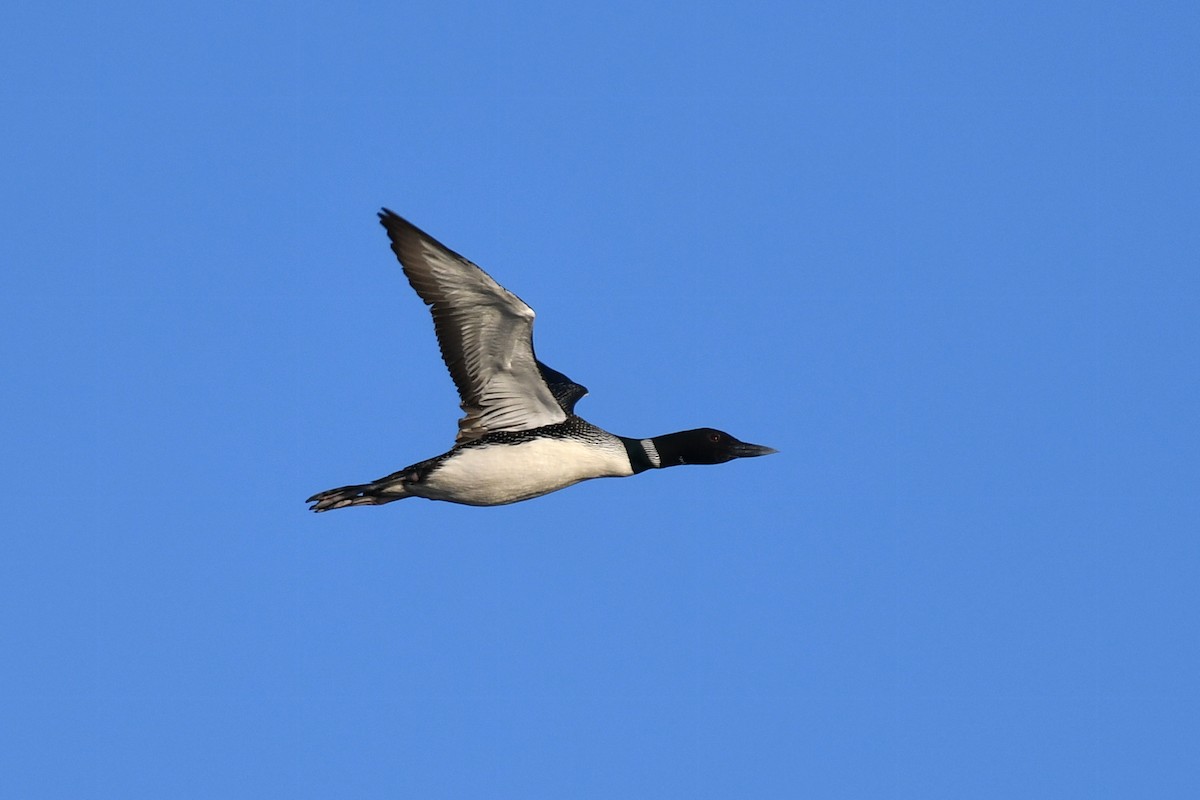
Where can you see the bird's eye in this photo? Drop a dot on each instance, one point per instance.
(714, 437)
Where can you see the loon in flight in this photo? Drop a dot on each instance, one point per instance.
(519, 437)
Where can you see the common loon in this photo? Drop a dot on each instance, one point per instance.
(520, 437)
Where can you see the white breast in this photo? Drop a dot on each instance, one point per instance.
(505, 473)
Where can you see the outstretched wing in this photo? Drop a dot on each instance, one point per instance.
(566, 392)
(485, 333)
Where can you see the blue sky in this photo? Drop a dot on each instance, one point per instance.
(942, 256)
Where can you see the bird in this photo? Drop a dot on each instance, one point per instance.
(519, 436)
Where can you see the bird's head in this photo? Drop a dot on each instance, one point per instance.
(704, 446)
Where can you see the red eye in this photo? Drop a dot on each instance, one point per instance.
(714, 437)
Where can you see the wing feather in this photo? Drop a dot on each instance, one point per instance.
(485, 333)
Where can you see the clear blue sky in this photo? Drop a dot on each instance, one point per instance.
(945, 257)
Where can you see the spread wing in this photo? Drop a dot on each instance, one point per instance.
(565, 390)
(486, 336)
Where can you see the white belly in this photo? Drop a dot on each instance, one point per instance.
(498, 474)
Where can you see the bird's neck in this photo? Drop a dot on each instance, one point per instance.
(657, 452)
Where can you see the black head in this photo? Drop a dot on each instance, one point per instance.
(704, 446)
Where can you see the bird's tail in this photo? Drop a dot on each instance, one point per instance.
(366, 494)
